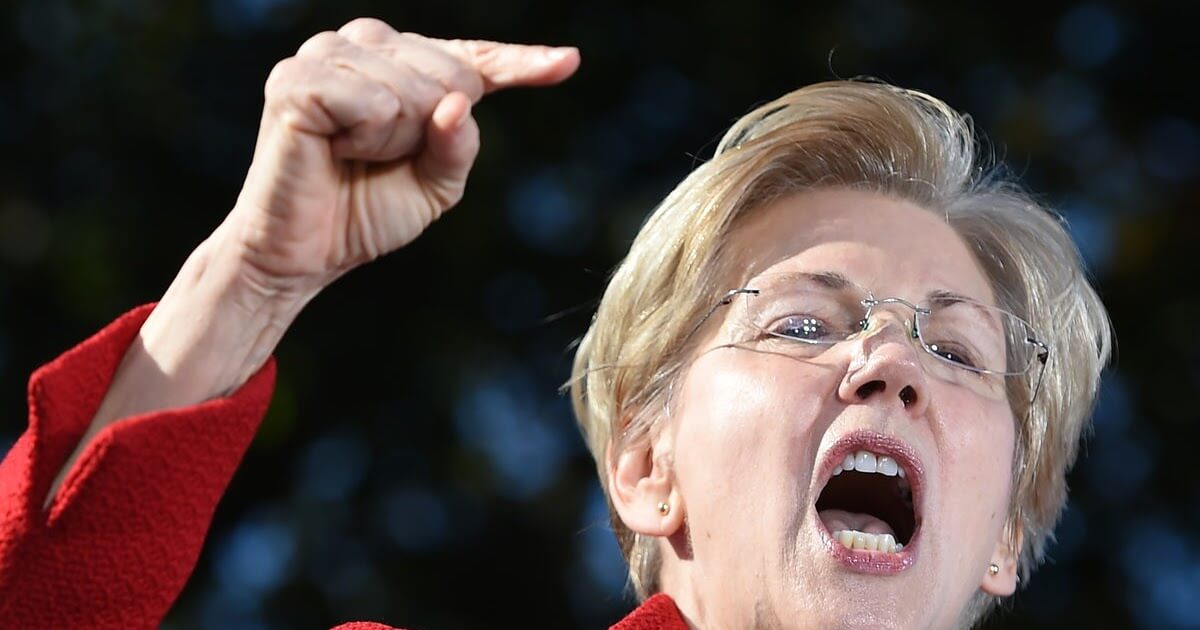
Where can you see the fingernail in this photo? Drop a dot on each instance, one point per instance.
(462, 120)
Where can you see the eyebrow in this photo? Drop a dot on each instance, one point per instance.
(943, 294)
(831, 279)
(836, 280)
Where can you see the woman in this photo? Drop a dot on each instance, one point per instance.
(828, 386)
(840, 289)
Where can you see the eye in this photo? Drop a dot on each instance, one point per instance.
(954, 353)
(803, 328)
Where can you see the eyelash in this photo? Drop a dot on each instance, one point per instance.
(794, 322)
(786, 327)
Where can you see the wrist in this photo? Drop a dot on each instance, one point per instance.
(206, 337)
(212, 330)
(218, 322)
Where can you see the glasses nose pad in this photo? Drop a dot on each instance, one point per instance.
(864, 325)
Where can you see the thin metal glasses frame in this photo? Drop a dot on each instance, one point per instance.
(1042, 352)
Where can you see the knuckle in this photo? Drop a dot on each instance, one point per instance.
(291, 79)
(478, 48)
(366, 30)
(321, 44)
(468, 45)
(486, 56)
(290, 115)
(282, 74)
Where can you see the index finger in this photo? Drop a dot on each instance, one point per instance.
(503, 65)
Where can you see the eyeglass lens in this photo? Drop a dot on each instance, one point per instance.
(966, 342)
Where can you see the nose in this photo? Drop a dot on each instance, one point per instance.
(886, 368)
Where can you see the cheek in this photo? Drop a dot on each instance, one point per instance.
(743, 429)
(978, 445)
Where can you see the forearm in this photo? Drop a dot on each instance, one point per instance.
(213, 328)
(210, 332)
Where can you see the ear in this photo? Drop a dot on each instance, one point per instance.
(641, 484)
(1004, 582)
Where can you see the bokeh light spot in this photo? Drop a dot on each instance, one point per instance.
(333, 466)
(546, 216)
(255, 557)
(416, 519)
(1091, 228)
(504, 415)
(1089, 35)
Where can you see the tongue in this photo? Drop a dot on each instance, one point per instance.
(838, 520)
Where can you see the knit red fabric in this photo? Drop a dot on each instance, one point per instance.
(116, 547)
(657, 613)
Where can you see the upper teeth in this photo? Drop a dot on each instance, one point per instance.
(868, 462)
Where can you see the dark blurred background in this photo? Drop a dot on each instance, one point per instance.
(418, 465)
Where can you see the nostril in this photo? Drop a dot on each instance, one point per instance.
(908, 396)
(870, 388)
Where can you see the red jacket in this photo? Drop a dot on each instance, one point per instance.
(117, 546)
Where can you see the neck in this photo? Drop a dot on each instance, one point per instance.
(705, 602)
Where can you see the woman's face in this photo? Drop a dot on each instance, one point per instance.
(755, 435)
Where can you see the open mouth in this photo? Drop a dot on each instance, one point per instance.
(869, 508)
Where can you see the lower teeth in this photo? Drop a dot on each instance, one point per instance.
(862, 541)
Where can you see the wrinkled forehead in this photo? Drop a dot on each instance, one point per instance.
(889, 246)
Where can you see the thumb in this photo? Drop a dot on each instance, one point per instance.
(451, 144)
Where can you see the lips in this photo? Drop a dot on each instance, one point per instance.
(859, 497)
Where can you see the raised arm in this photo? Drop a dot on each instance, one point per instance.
(366, 138)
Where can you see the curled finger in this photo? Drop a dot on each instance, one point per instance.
(360, 116)
(314, 98)
(423, 55)
(452, 143)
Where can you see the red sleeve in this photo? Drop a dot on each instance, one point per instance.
(117, 547)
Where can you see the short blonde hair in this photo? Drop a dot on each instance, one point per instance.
(863, 136)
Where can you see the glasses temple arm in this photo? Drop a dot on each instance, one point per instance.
(1043, 356)
(725, 300)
